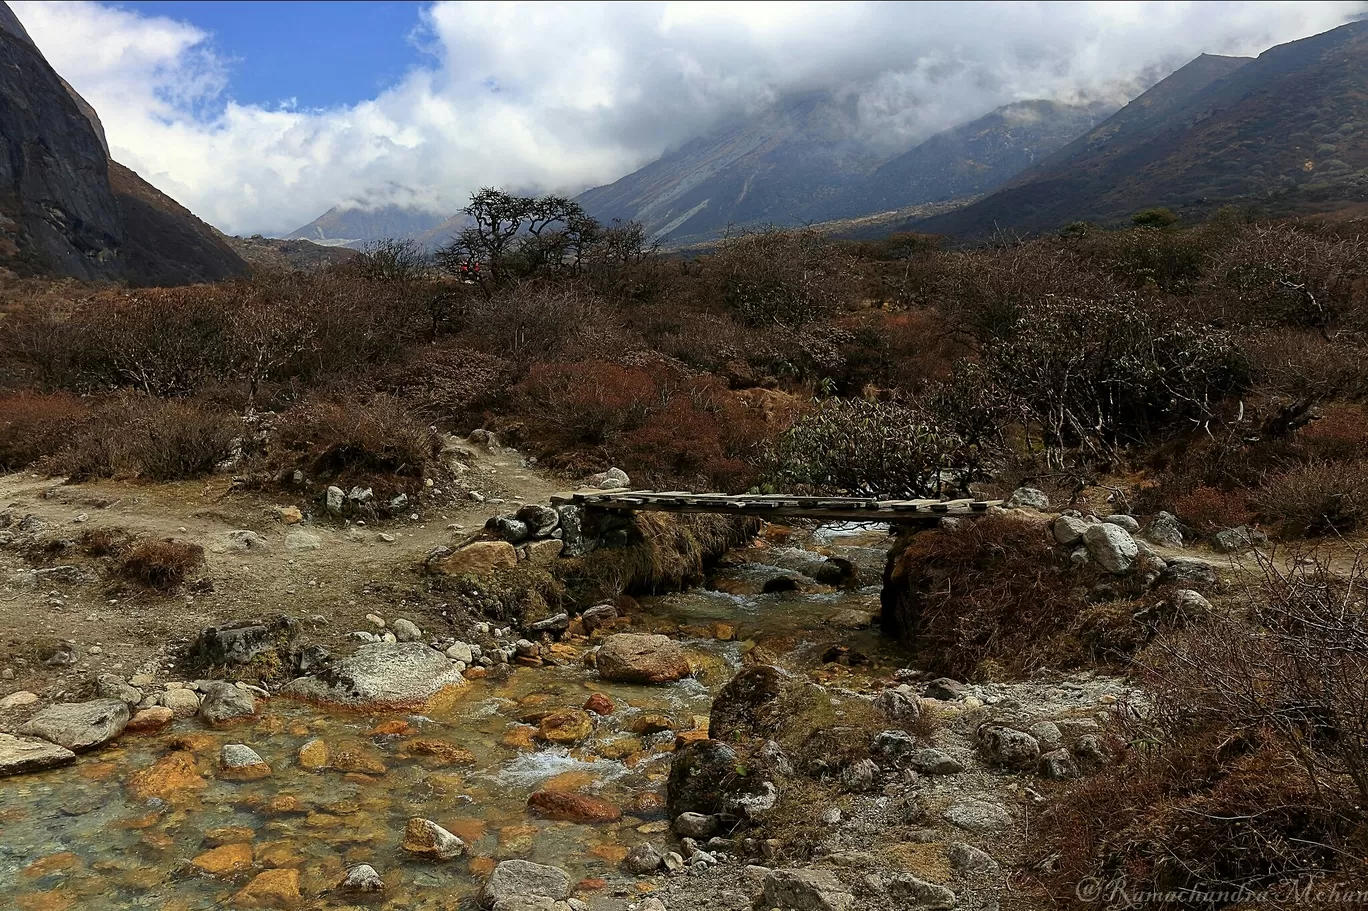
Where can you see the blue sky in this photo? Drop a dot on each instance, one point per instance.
(392, 101)
(320, 54)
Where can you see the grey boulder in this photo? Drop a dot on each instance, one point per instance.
(79, 725)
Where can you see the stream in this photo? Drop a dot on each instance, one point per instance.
(82, 837)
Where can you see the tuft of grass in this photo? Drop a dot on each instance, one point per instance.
(161, 565)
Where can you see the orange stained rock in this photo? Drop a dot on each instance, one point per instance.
(395, 728)
(65, 862)
(468, 830)
(443, 751)
(172, 777)
(53, 900)
(224, 860)
(97, 771)
(482, 866)
(614, 854)
(353, 759)
(277, 888)
(314, 755)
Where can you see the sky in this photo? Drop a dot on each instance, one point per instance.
(260, 116)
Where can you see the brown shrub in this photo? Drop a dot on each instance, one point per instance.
(448, 382)
(34, 426)
(375, 444)
(153, 439)
(1316, 499)
(162, 565)
(1210, 509)
(1248, 770)
(994, 596)
(780, 276)
(105, 542)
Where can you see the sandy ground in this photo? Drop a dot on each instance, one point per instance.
(353, 570)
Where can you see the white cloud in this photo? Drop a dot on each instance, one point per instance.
(549, 96)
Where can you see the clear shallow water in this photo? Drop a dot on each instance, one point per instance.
(80, 837)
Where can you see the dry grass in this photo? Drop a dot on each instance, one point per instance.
(161, 565)
(373, 444)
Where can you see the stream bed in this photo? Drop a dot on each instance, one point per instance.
(96, 835)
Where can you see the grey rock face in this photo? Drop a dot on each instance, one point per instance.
(645, 858)
(1112, 547)
(79, 725)
(918, 893)
(945, 689)
(804, 890)
(1238, 540)
(700, 826)
(934, 762)
(112, 686)
(978, 816)
(239, 756)
(521, 879)
(1028, 498)
(1007, 747)
(571, 525)
(894, 744)
(900, 704)
(224, 702)
(239, 643)
(510, 528)
(379, 674)
(336, 500)
(1165, 530)
(1190, 573)
(540, 520)
(969, 859)
(1057, 765)
(19, 755)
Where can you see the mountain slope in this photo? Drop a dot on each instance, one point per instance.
(355, 226)
(969, 159)
(65, 207)
(1286, 131)
(771, 167)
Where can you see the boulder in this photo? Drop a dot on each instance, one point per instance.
(1124, 521)
(577, 543)
(18, 700)
(406, 630)
(838, 572)
(462, 652)
(566, 726)
(1190, 573)
(336, 500)
(804, 890)
(311, 659)
(967, 859)
(425, 838)
(243, 540)
(1165, 530)
(554, 624)
(703, 778)
(1237, 540)
(909, 891)
(644, 859)
(508, 527)
(361, 879)
(224, 702)
(239, 643)
(521, 879)
(572, 807)
(543, 553)
(540, 520)
(30, 754)
(860, 776)
(945, 689)
(978, 816)
(597, 616)
(112, 686)
(748, 705)
(1007, 747)
(1057, 765)
(698, 826)
(79, 725)
(272, 889)
(779, 585)
(300, 539)
(477, 559)
(385, 676)
(1068, 530)
(600, 704)
(1112, 547)
(934, 762)
(239, 762)
(183, 703)
(612, 479)
(634, 658)
(1028, 498)
(152, 718)
(900, 704)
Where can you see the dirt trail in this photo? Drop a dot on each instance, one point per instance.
(347, 571)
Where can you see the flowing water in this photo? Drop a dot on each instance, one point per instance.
(86, 837)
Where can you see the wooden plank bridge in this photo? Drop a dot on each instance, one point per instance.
(777, 506)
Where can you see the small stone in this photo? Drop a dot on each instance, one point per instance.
(1165, 530)
(1237, 540)
(224, 860)
(1057, 765)
(427, 839)
(978, 816)
(460, 651)
(224, 702)
(808, 890)
(150, 719)
(183, 703)
(375, 620)
(945, 689)
(289, 515)
(406, 631)
(239, 762)
(935, 762)
(566, 726)
(900, 704)
(697, 825)
(644, 859)
(525, 881)
(1112, 547)
(1007, 747)
(572, 807)
(674, 861)
(1068, 530)
(600, 704)
(912, 892)
(362, 878)
(966, 858)
(18, 700)
(1127, 522)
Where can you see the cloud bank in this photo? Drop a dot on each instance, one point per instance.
(540, 96)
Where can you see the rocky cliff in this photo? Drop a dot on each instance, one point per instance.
(65, 207)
